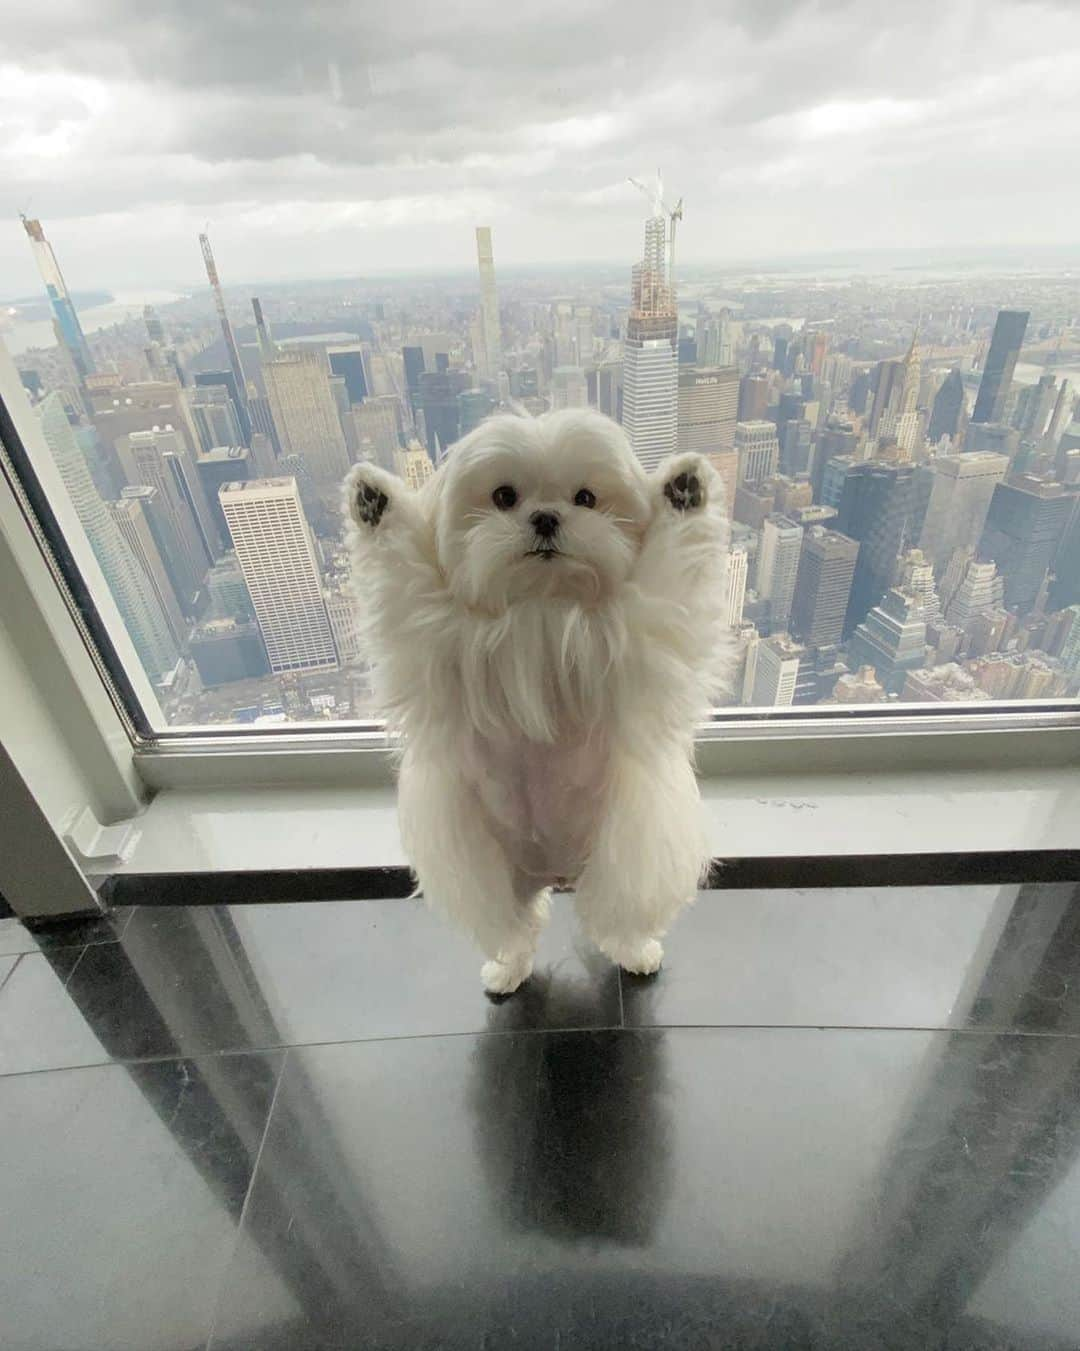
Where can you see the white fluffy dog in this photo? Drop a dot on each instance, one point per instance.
(547, 623)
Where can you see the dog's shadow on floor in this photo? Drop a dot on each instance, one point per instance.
(573, 1128)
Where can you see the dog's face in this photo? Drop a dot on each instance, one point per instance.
(553, 506)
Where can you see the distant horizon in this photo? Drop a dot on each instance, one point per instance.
(944, 255)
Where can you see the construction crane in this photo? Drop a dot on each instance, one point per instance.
(661, 208)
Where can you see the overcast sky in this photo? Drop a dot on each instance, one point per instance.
(343, 137)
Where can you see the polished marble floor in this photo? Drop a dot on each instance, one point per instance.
(837, 1118)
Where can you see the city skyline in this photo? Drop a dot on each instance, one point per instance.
(887, 541)
(384, 135)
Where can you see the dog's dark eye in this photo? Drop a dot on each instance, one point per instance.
(504, 497)
(585, 498)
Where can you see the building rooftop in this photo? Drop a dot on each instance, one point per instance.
(219, 453)
(257, 485)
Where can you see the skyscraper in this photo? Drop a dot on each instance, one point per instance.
(413, 363)
(875, 509)
(1034, 404)
(235, 365)
(892, 639)
(131, 588)
(708, 405)
(305, 414)
(568, 388)
(277, 555)
(375, 423)
(160, 459)
(823, 586)
(1024, 525)
(214, 415)
(140, 527)
(489, 304)
(753, 398)
(65, 320)
(650, 352)
(439, 392)
(1000, 364)
(758, 450)
(159, 520)
(889, 383)
(970, 588)
(353, 361)
(778, 567)
(223, 464)
(946, 416)
(775, 672)
(959, 500)
(738, 566)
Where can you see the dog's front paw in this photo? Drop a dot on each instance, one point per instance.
(504, 975)
(642, 959)
(368, 492)
(685, 487)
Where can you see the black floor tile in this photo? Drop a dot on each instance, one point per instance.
(682, 1188)
(323, 972)
(937, 957)
(121, 1190)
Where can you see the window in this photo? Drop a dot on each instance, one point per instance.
(419, 221)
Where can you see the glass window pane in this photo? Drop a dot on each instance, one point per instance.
(868, 326)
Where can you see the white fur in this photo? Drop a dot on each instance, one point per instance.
(547, 706)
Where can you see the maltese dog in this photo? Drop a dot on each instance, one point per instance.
(547, 624)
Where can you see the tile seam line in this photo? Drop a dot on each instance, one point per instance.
(226, 1267)
(1019, 1033)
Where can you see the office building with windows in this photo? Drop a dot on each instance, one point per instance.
(305, 413)
(1000, 363)
(823, 586)
(131, 587)
(876, 508)
(961, 489)
(568, 388)
(650, 406)
(1024, 525)
(758, 450)
(778, 567)
(708, 407)
(276, 553)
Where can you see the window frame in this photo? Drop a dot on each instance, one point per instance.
(731, 741)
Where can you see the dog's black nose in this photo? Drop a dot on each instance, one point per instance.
(545, 523)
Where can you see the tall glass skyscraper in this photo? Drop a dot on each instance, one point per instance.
(650, 353)
(131, 587)
(1000, 363)
(68, 329)
(489, 304)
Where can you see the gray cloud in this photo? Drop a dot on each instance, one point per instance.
(339, 136)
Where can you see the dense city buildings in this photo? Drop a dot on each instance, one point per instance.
(900, 460)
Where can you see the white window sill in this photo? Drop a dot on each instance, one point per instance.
(765, 816)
